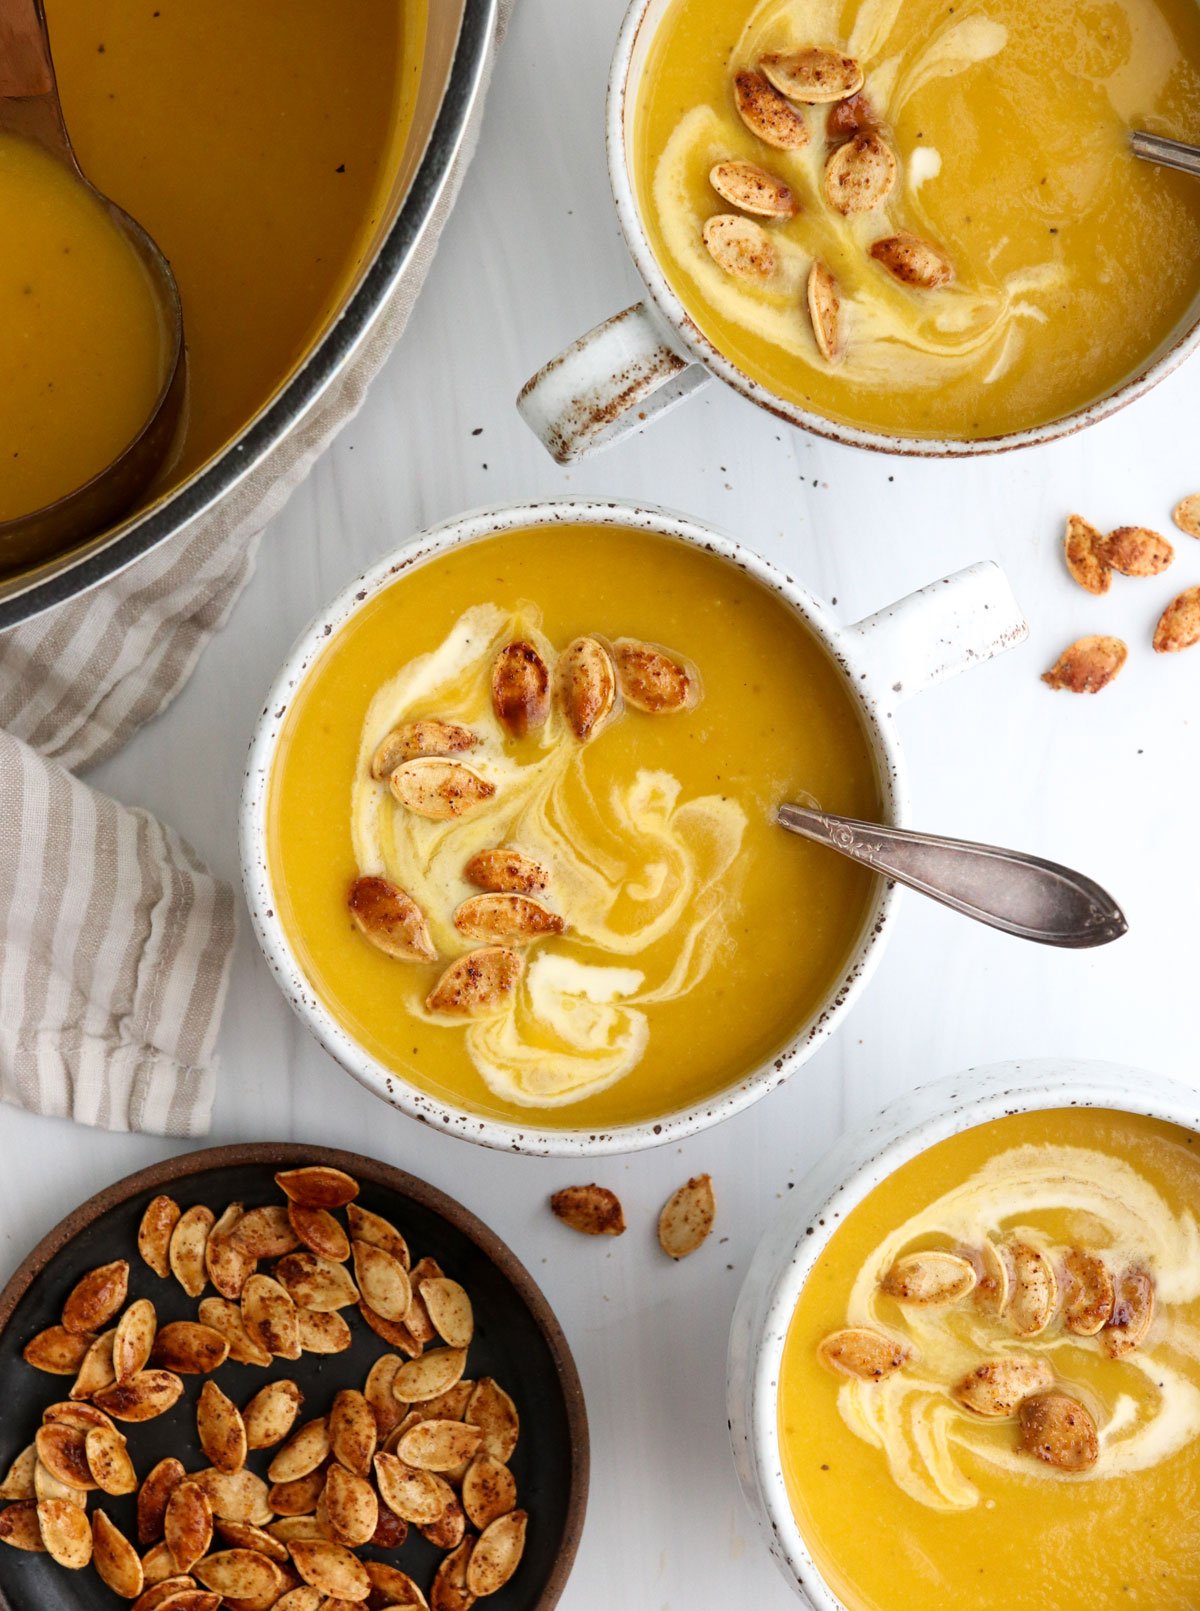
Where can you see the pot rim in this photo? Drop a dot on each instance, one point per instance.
(109, 554)
(388, 1083)
(675, 318)
(906, 1127)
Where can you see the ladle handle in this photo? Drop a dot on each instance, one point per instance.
(1022, 895)
(25, 69)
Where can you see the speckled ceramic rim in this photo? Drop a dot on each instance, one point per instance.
(389, 1084)
(285, 1154)
(622, 96)
(822, 1201)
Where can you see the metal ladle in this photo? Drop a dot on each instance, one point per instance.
(1167, 153)
(1022, 895)
(30, 107)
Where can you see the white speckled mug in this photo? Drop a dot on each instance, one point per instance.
(820, 1204)
(901, 650)
(652, 356)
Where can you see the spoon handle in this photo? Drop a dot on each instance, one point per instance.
(1167, 153)
(25, 69)
(1022, 895)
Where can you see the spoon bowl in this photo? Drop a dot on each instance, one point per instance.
(30, 108)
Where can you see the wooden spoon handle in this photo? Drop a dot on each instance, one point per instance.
(25, 69)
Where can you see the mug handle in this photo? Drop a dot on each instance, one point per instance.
(614, 379)
(967, 617)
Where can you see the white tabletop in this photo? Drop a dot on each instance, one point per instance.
(1111, 784)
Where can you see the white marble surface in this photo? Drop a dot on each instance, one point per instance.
(1112, 784)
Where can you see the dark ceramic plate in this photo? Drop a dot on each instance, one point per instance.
(517, 1340)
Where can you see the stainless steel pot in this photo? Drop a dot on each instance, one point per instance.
(459, 36)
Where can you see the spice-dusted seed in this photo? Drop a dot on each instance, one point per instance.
(1081, 545)
(191, 1600)
(1186, 514)
(740, 247)
(433, 1373)
(1179, 624)
(1088, 1293)
(331, 1568)
(351, 1506)
(511, 919)
(271, 1414)
(395, 1334)
(383, 1281)
(152, 1598)
(1089, 664)
(47, 1486)
(859, 1351)
(158, 1564)
(320, 1232)
(687, 1217)
(448, 1531)
(391, 920)
(651, 680)
(189, 1348)
(305, 1598)
(313, 1282)
(824, 301)
(269, 1315)
(814, 75)
(746, 185)
(503, 871)
(377, 1390)
(767, 113)
(188, 1524)
(299, 1496)
(849, 117)
(497, 1553)
(153, 1498)
(1059, 1430)
(186, 1252)
(441, 791)
(133, 1339)
(1034, 1297)
(353, 1433)
(65, 1532)
(392, 1588)
(72, 1413)
(57, 1351)
(244, 1535)
(449, 1309)
(108, 1461)
(439, 1445)
(97, 1369)
(380, 1232)
(266, 1232)
(478, 984)
(1132, 1312)
(318, 1186)
(322, 1333)
(586, 679)
(417, 1319)
(63, 1451)
(227, 1260)
(154, 1233)
(96, 1297)
(929, 1278)
(304, 1451)
(520, 689)
(995, 1388)
(488, 1490)
(415, 1495)
(448, 1406)
(18, 1483)
(427, 737)
(450, 1591)
(860, 176)
(1136, 551)
(19, 1527)
(591, 1210)
(220, 1428)
(115, 1558)
(237, 1496)
(912, 261)
(225, 1318)
(241, 1574)
(495, 1414)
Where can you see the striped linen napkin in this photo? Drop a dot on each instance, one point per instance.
(117, 939)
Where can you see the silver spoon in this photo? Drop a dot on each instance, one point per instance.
(1022, 895)
(1167, 153)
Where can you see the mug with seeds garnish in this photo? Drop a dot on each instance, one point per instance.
(908, 226)
(509, 834)
(986, 1336)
